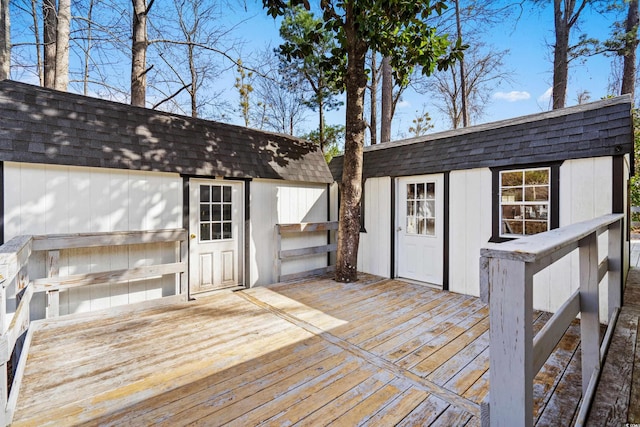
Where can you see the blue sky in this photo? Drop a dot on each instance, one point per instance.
(529, 57)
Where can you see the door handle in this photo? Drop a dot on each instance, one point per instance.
(193, 236)
(399, 228)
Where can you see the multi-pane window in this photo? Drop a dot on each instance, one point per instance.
(524, 201)
(215, 212)
(421, 208)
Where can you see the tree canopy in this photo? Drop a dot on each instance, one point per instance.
(397, 29)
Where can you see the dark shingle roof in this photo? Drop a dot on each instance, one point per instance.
(45, 126)
(602, 128)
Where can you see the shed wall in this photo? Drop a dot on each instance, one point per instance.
(586, 192)
(50, 199)
(469, 227)
(280, 202)
(374, 251)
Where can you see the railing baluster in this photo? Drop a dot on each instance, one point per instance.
(615, 268)
(589, 299)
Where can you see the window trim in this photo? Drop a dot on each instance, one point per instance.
(554, 200)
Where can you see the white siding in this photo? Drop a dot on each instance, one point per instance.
(279, 202)
(45, 199)
(469, 227)
(374, 251)
(586, 192)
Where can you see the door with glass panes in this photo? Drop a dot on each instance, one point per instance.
(216, 234)
(420, 228)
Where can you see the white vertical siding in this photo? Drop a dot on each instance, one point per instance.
(469, 227)
(280, 202)
(586, 192)
(45, 199)
(374, 251)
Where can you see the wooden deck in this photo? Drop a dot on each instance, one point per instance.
(617, 398)
(377, 352)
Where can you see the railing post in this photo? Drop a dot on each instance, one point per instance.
(511, 343)
(615, 267)
(589, 301)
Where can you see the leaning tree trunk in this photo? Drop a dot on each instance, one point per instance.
(629, 71)
(5, 40)
(560, 55)
(49, 42)
(139, 54)
(387, 101)
(351, 190)
(62, 45)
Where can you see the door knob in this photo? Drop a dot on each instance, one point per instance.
(399, 228)
(193, 236)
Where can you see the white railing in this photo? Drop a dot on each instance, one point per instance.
(15, 256)
(516, 356)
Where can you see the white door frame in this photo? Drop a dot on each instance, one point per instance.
(425, 271)
(238, 230)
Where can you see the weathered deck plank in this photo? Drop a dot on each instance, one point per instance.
(374, 352)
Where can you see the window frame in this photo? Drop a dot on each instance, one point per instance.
(554, 198)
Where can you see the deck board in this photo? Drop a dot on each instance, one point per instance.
(312, 352)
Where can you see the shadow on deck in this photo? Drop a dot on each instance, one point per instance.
(314, 352)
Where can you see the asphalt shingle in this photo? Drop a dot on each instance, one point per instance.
(41, 125)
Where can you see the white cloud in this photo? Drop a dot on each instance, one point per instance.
(513, 96)
(403, 104)
(546, 95)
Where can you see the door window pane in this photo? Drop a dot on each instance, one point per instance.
(216, 209)
(421, 208)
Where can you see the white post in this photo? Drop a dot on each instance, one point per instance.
(53, 297)
(589, 300)
(615, 267)
(511, 343)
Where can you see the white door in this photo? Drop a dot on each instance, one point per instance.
(420, 228)
(216, 234)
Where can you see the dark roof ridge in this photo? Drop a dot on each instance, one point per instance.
(621, 99)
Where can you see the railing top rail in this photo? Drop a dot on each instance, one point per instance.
(535, 247)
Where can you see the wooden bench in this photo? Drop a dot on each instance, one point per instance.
(617, 398)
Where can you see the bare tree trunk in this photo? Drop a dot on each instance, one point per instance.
(62, 45)
(87, 53)
(629, 72)
(49, 42)
(5, 40)
(463, 76)
(194, 83)
(36, 33)
(321, 125)
(560, 55)
(387, 101)
(351, 189)
(139, 53)
(373, 92)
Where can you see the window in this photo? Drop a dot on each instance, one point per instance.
(215, 212)
(525, 201)
(421, 208)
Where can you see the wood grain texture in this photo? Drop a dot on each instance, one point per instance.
(313, 352)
